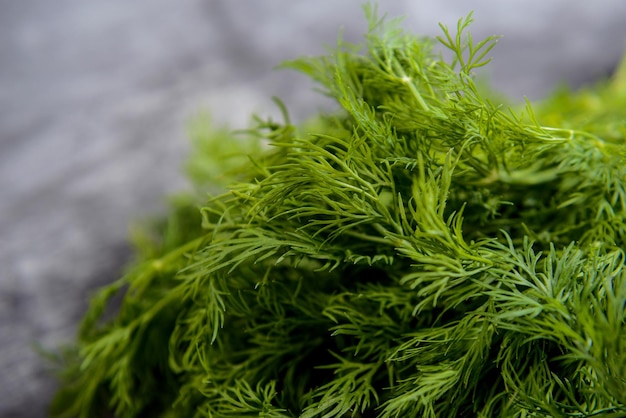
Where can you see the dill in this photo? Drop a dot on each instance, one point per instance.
(423, 252)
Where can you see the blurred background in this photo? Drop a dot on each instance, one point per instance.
(96, 97)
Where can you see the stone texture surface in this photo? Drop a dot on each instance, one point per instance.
(95, 98)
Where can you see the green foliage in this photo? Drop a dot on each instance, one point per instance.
(421, 253)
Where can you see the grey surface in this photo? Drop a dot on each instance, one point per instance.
(95, 98)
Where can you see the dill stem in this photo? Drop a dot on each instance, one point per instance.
(369, 238)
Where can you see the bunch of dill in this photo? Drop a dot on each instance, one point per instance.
(421, 253)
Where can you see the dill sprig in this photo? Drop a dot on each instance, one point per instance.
(421, 252)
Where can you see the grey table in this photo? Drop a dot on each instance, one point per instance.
(95, 98)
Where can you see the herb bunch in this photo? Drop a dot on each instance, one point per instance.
(421, 252)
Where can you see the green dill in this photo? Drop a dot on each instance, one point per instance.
(423, 252)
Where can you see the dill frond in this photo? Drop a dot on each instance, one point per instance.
(422, 252)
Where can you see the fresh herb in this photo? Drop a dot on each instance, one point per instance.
(423, 252)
